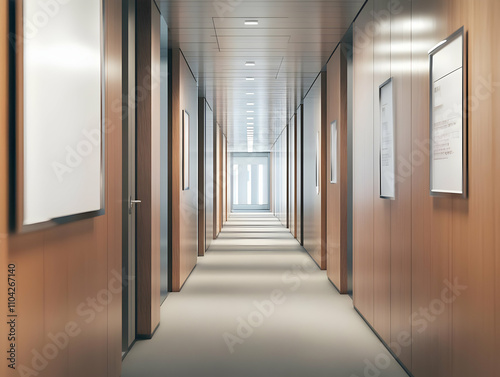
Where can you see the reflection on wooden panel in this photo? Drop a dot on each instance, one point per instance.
(58, 269)
(336, 222)
(422, 245)
(314, 206)
(363, 167)
(148, 172)
(184, 203)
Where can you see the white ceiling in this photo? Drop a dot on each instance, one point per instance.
(290, 45)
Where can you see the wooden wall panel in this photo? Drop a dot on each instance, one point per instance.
(336, 222)
(363, 151)
(148, 170)
(4, 161)
(58, 269)
(314, 215)
(293, 177)
(300, 164)
(475, 223)
(209, 175)
(381, 207)
(201, 176)
(401, 220)
(184, 203)
(431, 348)
(424, 245)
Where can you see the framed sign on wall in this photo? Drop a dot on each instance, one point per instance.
(185, 150)
(333, 152)
(448, 120)
(59, 119)
(387, 160)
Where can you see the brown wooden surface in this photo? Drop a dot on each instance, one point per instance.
(148, 171)
(336, 222)
(184, 219)
(314, 212)
(421, 243)
(363, 229)
(60, 268)
(201, 176)
(381, 207)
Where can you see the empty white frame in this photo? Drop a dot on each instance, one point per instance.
(333, 152)
(185, 150)
(387, 141)
(448, 126)
(318, 161)
(60, 124)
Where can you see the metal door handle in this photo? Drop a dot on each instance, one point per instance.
(131, 205)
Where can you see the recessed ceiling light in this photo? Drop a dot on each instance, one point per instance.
(250, 79)
(250, 111)
(250, 94)
(251, 22)
(250, 64)
(250, 104)
(250, 124)
(249, 118)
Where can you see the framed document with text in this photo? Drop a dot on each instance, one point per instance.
(448, 121)
(185, 150)
(387, 141)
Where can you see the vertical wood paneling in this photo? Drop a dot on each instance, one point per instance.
(300, 164)
(148, 169)
(114, 174)
(400, 229)
(429, 241)
(201, 177)
(4, 164)
(431, 348)
(381, 207)
(59, 269)
(314, 205)
(184, 203)
(337, 193)
(209, 175)
(363, 212)
(475, 228)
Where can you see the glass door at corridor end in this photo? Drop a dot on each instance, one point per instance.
(251, 181)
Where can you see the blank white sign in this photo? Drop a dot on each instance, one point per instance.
(62, 109)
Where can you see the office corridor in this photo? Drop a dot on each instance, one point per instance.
(257, 305)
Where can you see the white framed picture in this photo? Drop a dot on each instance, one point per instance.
(387, 141)
(185, 150)
(448, 121)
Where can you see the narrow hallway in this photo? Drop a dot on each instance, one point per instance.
(257, 305)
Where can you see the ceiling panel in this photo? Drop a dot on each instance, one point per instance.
(290, 46)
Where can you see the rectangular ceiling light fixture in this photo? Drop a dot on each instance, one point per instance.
(250, 64)
(250, 79)
(251, 22)
(250, 111)
(250, 94)
(250, 104)
(249, 118)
